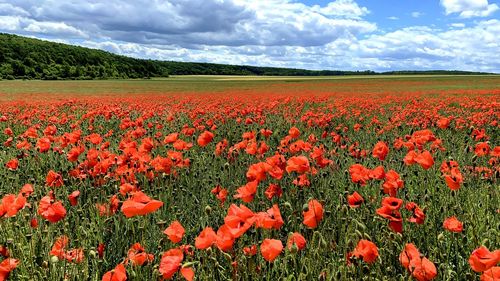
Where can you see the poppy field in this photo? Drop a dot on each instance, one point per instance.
(360, 179)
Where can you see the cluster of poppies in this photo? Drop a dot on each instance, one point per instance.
(298, 166)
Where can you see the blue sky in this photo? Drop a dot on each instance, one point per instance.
(379, 35)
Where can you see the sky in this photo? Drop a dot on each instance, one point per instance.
(380, 35)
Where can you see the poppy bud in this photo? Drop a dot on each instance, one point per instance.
(208, 209)
(54, 259)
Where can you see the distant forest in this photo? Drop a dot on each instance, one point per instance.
(27, 58)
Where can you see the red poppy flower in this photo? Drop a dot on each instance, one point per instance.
(273, 190)
(250, 251)
(492, 274)
(136, 255)
(454, 179)
(239, 220)
(206, 239)
(205, 138)
(380, 150)
(220, 193)
(13, 164)
(225, 239)
(366, 250)
(314, 214)
(294, 132)
(359, 174)
(73, 197)
(6, 267)
(377, 173)
(355, 200)
(422, 269)
(139, 205)
(50, 210)
(43, 144)
(271, 249)
(453, 224)
(187, 273)
(270, 219)
(170, 263)
(27, 190)
(247, 192)
(12, 204)
(54, 179)
(425, 159)
(299, 164)
(482, 259)
(409, 252)
(418, 214)
(175, 232)
(482, 149)
(119, 273)
(296, 239)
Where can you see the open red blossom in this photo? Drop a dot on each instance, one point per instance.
(314, 214)
(119, 273)
(271, 249)
(492, 274)
(294, 132)
(54, 179)
(6, 267)
(11, 204)
(365, 250)
(205, 138)
(247, 192)
(482, 259)
(220, 193)
(270, 219)
(418, 216)
(27, 190)
(59, 250)
(273, 190)
(420, 267)
(170, 263)
(73, 197)
(206, 239)
(380, 150)
(482, 149)
(51, 210)
(239, 220)
(175, 232)
(454, 179)
(299, 164)
(452, 224)
(297, 240)
(12, 164)
(355, 200)
(359, 174)
(250, 251)
(139, 205)
(136, 255)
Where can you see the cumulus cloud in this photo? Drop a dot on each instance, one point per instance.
(282, 33)
(206, 22)
(469, 8)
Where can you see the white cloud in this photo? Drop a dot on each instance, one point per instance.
(51, 28)
(469, 8)
(417, 14)
(282, 33)
(393, 18)
(342, 8)
(206, 22)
